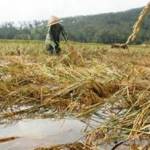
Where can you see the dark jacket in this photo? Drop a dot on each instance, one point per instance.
(55, 31)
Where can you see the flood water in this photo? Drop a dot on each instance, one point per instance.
(48, 132)
(40, 133)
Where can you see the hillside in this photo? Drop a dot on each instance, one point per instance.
(103, 28)
(106, 28)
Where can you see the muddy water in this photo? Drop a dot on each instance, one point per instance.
(41, 132)
(48, 132)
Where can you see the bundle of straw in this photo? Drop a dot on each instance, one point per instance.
(138, 24)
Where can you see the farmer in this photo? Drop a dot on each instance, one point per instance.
(53, 36)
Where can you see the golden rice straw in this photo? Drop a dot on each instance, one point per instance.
(138, 24)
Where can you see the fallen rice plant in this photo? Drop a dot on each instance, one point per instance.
(79, 84)
(137, 26)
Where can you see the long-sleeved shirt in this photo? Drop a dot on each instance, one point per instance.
(55, 31)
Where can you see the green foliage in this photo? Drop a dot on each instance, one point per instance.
(103, 28)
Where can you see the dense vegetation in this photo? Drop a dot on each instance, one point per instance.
(105, 28)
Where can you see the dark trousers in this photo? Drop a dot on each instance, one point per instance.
(53, 49)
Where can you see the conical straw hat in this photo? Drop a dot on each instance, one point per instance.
(54, 20)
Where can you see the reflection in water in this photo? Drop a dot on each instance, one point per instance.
(41, 132)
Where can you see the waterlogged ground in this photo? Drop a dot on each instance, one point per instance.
(41, 132)
(32, 134)
(111, 85)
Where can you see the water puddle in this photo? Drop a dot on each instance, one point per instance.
(48, 132)
(40, 133)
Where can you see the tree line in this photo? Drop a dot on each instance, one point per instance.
(103, 28)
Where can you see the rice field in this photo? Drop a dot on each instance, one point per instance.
(106, 88)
